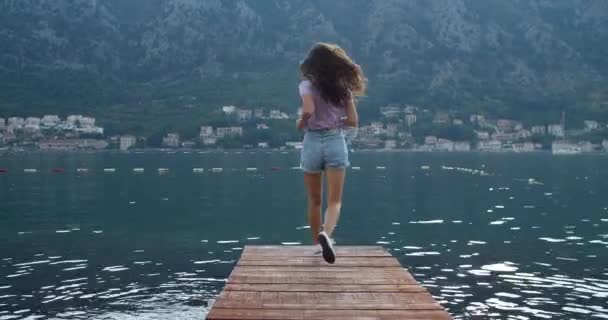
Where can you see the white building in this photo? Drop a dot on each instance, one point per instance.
(73, 119)
(73, 144)
(410, 109)
(490, 145)
(294, 144)
(209, 141)
(444, 145)
(16, 122)
(430, 140)
(482, 135)
(605, 145)
(80, 121)
(506, 125)
(500, 136)
(32, 124)
(171, 140)
(377, 125)
(2, 123)
(278, 114)
(462, 146)
(457, 122)
(127, 142)
(32, 121)
(391, 130)
(556, 130)
(539, 130)
(90, 130)
(228, 110)
(366, 132)
(523, 147)
(86, 122)
(591, 125)
(410, 119)
(477, 119)
(244, 114)
(390, 144)
(258, 113)
(262, 126)
(263, 145)
(586, 146)
(50, 121)
(206, 131)
(228, 132)
(565, 147)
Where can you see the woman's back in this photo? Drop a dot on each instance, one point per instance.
(326, 114)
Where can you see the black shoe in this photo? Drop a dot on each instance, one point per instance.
(328, 251)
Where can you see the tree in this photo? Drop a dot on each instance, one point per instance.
(229, 142)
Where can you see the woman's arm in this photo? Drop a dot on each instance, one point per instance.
(352, 118)
(308, 108)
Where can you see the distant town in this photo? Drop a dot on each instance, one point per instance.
(398, 128)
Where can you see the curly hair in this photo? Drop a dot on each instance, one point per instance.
(333, 73)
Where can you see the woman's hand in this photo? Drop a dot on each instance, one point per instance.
(352, 117)
(303, 121)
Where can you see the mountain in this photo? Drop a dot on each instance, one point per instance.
(164, 61)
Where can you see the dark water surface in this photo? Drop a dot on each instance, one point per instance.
(500, 236)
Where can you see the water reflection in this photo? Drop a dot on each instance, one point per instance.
(490, 236)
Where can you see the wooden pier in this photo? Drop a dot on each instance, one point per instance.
(292, 282)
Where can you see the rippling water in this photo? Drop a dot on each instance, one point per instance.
(491, 236)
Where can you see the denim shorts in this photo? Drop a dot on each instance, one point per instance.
(323, 149)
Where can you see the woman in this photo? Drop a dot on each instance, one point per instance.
(331, 80)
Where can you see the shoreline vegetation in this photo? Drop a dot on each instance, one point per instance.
(403, 128)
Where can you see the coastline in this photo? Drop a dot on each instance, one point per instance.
(275, 150)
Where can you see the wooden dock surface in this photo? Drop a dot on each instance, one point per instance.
(292, 282)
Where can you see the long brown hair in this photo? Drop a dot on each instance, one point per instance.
(333, 73)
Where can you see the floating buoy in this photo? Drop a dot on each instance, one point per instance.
(30, 170)
(198, 170)
(138, 170)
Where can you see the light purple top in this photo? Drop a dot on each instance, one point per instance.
(327, 115)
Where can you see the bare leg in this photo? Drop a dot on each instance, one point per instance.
(314, 187)
(335, 185)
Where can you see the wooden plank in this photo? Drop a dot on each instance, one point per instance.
(321, 275)
(326, 300)
(266, 252)
(318, 261)
(327, 268)
(311, 314)
(320, 278)
(323, 287)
